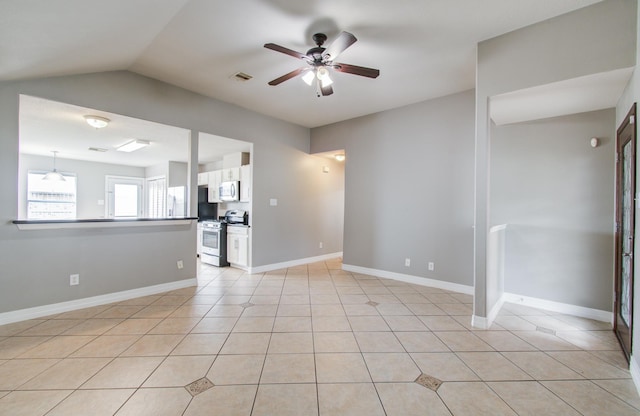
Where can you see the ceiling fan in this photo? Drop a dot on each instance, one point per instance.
(320, 60)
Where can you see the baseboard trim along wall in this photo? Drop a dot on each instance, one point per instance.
(423, 281)
(485, 323)
(634, 368)
(549, 305)
(293, 263)
(72, 305)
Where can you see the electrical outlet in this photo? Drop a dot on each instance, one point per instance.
(74, 279)
(180, 264)
(320, 245)
(432, 266)
(407, 262)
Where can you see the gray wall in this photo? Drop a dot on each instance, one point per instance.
(556, 194)
(177, 174)
(595, 39)
(630, 96)
(36, 264)
(408, 187)
(90, 181)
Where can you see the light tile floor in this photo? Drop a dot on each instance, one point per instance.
(310, 340)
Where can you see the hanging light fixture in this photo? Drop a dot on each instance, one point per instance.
(54, 175)
(321, 74)
(309, 77)
(97, 121)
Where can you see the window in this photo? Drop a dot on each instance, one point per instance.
(124, 197)
(51, 200)
(157, 197)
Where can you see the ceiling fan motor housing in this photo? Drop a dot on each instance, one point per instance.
(316, 53)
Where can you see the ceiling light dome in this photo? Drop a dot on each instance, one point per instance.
(97, 121)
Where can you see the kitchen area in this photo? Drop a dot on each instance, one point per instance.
(224, 202)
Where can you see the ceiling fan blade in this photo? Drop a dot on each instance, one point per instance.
(290, 75)
(342, 42)
(356, 70)
(326, 90)
(286, 51)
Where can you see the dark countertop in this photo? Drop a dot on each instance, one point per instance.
(105, 220)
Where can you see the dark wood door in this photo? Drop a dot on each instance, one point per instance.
(625, 236)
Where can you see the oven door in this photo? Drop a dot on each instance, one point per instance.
(211, 241)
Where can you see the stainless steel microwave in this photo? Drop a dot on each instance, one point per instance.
(229, 191)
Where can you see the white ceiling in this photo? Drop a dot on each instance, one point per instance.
(424, 49)
(578, 95)
(47, 126)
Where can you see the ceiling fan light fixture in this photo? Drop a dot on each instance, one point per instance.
(97, 122)
(326, 81)
(133, 146)
(309, 77)
(323, 73)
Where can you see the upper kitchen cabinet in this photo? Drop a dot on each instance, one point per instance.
(231, 174)
(235, 160)
(215, 178)
(203, 179)
(231, 165)
(245, 183)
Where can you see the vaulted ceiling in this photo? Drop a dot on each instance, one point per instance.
(424, 49)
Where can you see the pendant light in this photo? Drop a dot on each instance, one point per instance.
(54, 175)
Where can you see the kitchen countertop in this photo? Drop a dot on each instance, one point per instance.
(100, 223)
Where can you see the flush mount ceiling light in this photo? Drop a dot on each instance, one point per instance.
(54, 175)
(97, 121)
(133, 145)
(339, 157)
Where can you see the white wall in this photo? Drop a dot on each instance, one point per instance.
(630, 96)
(408, 187)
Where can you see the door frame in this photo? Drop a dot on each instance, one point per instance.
(112, 180)
(626, 132)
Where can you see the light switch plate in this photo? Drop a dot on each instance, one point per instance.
(273, 202)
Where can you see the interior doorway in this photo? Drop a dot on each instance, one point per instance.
(625, 229)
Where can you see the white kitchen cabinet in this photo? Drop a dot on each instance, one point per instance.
(230, 174)
(203, 178)
(234, 160)
(199, 246)
(245, 183)
(238, 245)
(215, 178)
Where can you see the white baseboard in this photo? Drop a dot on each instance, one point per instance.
(495, 310)
(72, 305)
(634, 368)
(293, 263)
(407, 278)
(549, 305)
(480, 322)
